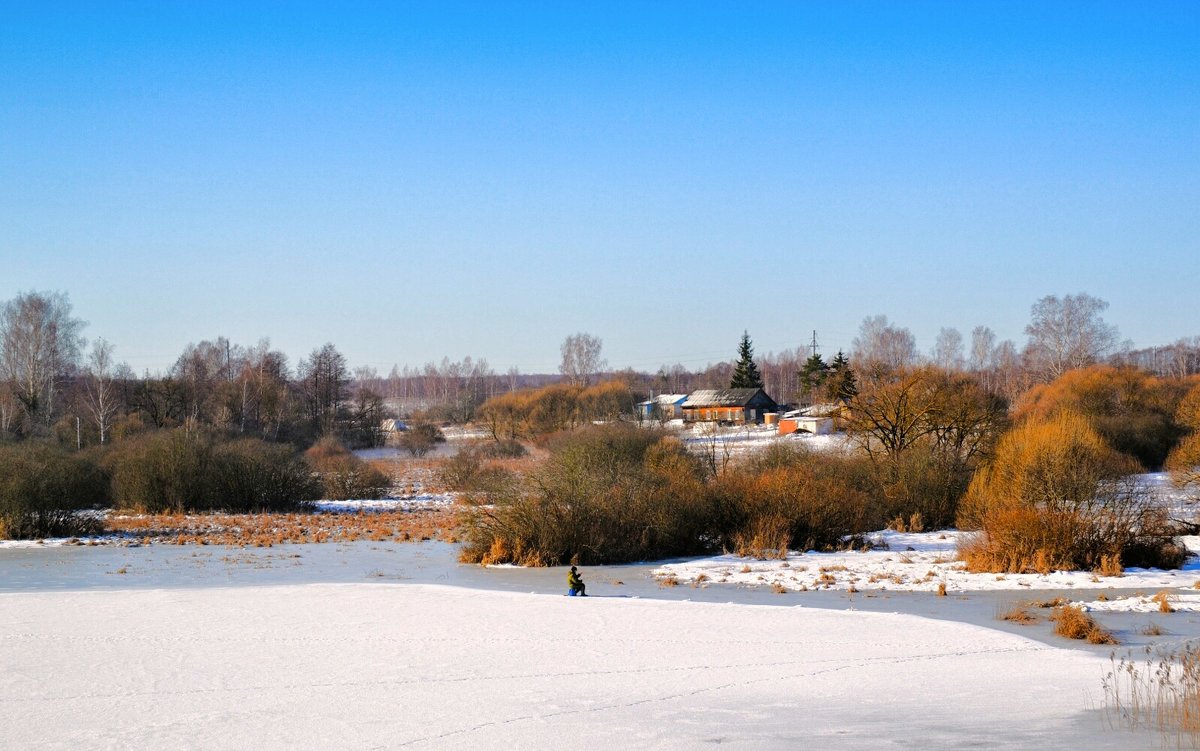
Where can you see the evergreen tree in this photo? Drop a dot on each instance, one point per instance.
(812, 377)
(745, 372)
(840, 382)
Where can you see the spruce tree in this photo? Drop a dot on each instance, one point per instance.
(812, 376)
(745, 372)
(841, 383)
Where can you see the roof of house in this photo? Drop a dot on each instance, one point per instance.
(723, 397)
(664, 400)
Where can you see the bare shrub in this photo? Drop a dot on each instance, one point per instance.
(609, 493)
(343, 475)
(172, 471)
(468, 472)
(42, 489)
(811, 502)
(420, 438)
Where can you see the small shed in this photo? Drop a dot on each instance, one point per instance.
(805, 424)
(662, 407)
(741, 406)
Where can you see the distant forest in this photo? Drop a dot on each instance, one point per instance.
(55, 384)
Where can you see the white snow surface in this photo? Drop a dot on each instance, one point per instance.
(912, 562)
(407, 503)
(1182, 602)
(394, 666)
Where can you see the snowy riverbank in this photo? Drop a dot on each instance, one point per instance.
(422, 666)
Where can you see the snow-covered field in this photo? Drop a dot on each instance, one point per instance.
(384, 666)
(741, 440)
(911, 562)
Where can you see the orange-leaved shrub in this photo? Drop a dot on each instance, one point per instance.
(1056, 496)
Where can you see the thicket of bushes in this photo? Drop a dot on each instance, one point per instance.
(616, 493)
(342, 475)
(1184, 459)
(548, 410)
(1058, 496)
(41, 489)
(180, 471)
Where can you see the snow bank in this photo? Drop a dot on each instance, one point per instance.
(419, 666)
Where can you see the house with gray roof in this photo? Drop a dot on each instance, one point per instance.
(738, 406)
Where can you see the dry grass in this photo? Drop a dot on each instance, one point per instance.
(1162, 693)
(1019, 614)
(1152, 629)
(941, 590)
(779, 589)
(1056, 602)
(670, 580)
(270, 529)
(1072, 622)
(1163, 599)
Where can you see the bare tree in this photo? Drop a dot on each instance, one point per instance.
(324, 377)
(983, 344)
(880, 346)
(1068, 333)
(39, 343)
(948, 350)
(581, 358)
(99, 389)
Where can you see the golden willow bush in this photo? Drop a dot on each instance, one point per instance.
(617, 493)
(1184, 460)
(1057, 496)
(42, 488)
(1134, 411)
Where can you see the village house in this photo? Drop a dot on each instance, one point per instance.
(662, 407)
(737, 406)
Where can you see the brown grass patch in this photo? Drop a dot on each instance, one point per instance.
(1019, 614)
(270, 529)
(1072, 622)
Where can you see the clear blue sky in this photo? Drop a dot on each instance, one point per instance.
(413, 181)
